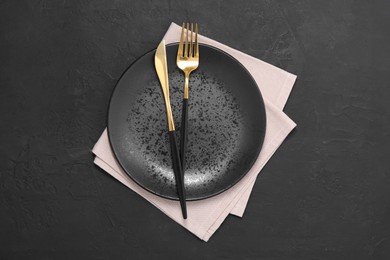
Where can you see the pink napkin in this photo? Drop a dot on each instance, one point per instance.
(205, 216)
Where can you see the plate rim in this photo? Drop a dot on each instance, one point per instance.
(260, 146)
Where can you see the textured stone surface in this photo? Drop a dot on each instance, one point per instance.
(324, 195)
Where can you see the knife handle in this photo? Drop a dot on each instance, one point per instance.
(177, 170)
(183, 133)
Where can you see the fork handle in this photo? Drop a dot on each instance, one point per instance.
(183, 133)
(177, 170)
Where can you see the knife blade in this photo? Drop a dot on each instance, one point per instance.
(160, 63)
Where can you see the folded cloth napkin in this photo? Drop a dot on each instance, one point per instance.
(205, 216)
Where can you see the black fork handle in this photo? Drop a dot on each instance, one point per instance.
(177, 170)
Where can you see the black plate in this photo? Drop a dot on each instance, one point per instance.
(226, 124)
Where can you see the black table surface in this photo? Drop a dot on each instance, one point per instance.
(325, 194)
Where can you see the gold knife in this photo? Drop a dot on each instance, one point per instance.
(160, 63)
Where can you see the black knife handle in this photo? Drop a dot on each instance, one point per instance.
(183, 133)
(177, 170)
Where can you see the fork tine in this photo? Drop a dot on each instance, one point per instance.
(180, 50)
(191, 43)
(186, 43)
(196, 48)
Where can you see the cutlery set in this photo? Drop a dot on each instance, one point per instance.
(187, 60)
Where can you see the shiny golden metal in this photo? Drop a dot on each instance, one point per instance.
(188, 53)
(160, 63)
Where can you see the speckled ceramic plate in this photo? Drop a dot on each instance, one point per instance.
(226, 124)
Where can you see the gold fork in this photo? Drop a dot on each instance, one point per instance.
(187, 60)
